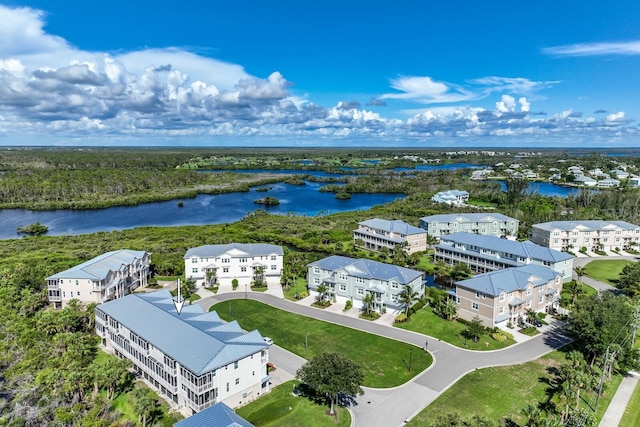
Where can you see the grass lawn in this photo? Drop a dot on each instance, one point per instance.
(123, 404)
(425, 321)
(607, 271)
(384, 361)
(426, 264)
(281, 407)
(631, 417)
(503, 392)
(298, 287)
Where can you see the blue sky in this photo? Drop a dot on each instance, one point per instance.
(331, 73)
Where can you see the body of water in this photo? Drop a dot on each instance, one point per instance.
(204, 209)
(548, 189)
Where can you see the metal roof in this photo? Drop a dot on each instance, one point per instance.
(468, 217)
(235, 249)
(592, 225)
(218, 415)
(395, 226)
(509, 279)
(524, 249)
(368, 269)
(98, 268)
(197, 340)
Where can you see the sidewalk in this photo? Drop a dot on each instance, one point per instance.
(385, 319)
(615, 411)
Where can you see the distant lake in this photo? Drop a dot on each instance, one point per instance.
(203, 209)
(548, 189)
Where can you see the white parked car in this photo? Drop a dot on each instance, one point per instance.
(268, 340)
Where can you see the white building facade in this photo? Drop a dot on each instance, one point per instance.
(591, 234)
(479, 223)
(193, 359)
(108, 276)
(351, 279)
(222, 264)
(381, 233)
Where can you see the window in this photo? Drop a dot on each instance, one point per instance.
(477, 294)
(394, 285)
(475, 305)
(273, 257)
(243, 269)
(316, 270)
(359, 280)
(501, 297)
(194, 270)
(235, 366)
(225, 269)
(243, 260)
(360, 291)
(274, 267)
(501, 310)
(343, 288)
(227, 387)
(529, 290)
(77, 283)
(457, 300)
(226, 260)
(529, 303)
(237, 381)
(316, 280)
(540, 299)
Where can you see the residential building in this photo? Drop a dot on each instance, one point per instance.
(591, 234)
(608, 183)
(634, 182)
(620, 174)
(242, 261)
(381, 233)
(218, 415)
(451, 197)
(587, 181)
(351, 279)
(193, 359)
(489, 253)
(503, 296)
(480, 223)
(103, 278)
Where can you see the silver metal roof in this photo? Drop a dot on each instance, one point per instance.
(368, 269)
(395, 226)
(592, 225)
(218, 415)
(509, 279)
(236, 249)
(468, 217)
(199, 341)
(98, 268)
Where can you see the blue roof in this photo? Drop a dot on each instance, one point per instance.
(197, 340)
(524, 249)
(509, 279)
(395, 226)
(218, 415)
(468, 217)
(98, 268)
(242, 249)
(368, 269)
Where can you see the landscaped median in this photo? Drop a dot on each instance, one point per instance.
(386, 362)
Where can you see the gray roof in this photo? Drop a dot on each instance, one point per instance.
(468, 217)
(248, 249)
(524, 249)
(98, 268)
(197, 340)
(509, 279)
(588, 224)
(395, 226)
(368, 269)
(218, 415)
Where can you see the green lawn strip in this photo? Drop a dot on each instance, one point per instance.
(384, 361)
(426, 264)
(503, 392)
(281, 407)
(631, 416)
(606, 271)
(298, 287)
(425, 321)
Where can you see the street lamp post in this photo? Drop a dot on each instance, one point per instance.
(245, 291)
(410, 353)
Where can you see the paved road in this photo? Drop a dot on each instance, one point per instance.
(599, 286)
(391, 407)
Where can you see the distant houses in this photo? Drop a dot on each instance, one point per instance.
(352, 279)
(490, 253)
(376, 234)
(479, 223)
(108, 276)
(591, 234)
(193, 360)
(504, 296)
(451, 197)
(244, 262)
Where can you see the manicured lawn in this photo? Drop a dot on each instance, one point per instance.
(631, 417)
(607, 271)
(281, 407)
(503, 392)
(426, 264)
(425, 321)
(298, 287)
(384, 361)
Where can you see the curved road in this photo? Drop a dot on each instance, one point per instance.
(392, 407)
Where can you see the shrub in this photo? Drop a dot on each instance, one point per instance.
(303, 295)
(498, 337)
(583, 249)
(234, 284)
(507, 335)
(348, 305)
(400, 318)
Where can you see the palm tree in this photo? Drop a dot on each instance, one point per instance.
(407, 297)
(322, 290)
(368, 301)
(431, 240)
(532, 414)
(449, 309)
(580, 271)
